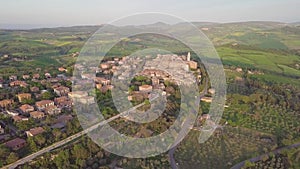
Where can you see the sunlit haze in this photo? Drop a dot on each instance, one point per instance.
(52, 13)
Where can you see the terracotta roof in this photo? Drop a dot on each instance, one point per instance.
(43, 102)
(36, 114)
(145, 87)
(52, 107)
(4, 103)
(25, 107)
(35, 131)
(7, 101)
(17, 118)
(61, 99)
(36, 76)
(61, 69)
(18, 83)
(62, 88)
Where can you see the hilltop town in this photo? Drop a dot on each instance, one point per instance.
(39, 109)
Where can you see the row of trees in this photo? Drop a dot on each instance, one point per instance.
(84, 153)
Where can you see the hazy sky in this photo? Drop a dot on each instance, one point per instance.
(91, 12)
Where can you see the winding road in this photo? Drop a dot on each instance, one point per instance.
(258, 158)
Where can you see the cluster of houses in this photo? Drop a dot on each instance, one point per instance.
(170, 67)
(19, 109)
(40, 108)
(167, 67)
(181, 67)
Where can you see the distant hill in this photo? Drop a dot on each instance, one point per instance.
(267, 46)
(262, 34)
(68, 29)
(295, 24)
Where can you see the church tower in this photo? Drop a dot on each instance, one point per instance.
(189, 56)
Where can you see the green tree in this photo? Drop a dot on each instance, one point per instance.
(32, 145)
(248, 164)
(79, 152)
(28, 101)
(12, 158)
(47, 96)
(57, 134)
(4, 152)
(62, 159)
(147, 102)
(40, 139)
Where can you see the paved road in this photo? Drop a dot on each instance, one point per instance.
(258, 158)
(172, 159)
(69, 139)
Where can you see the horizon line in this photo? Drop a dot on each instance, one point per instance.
(16, 27)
